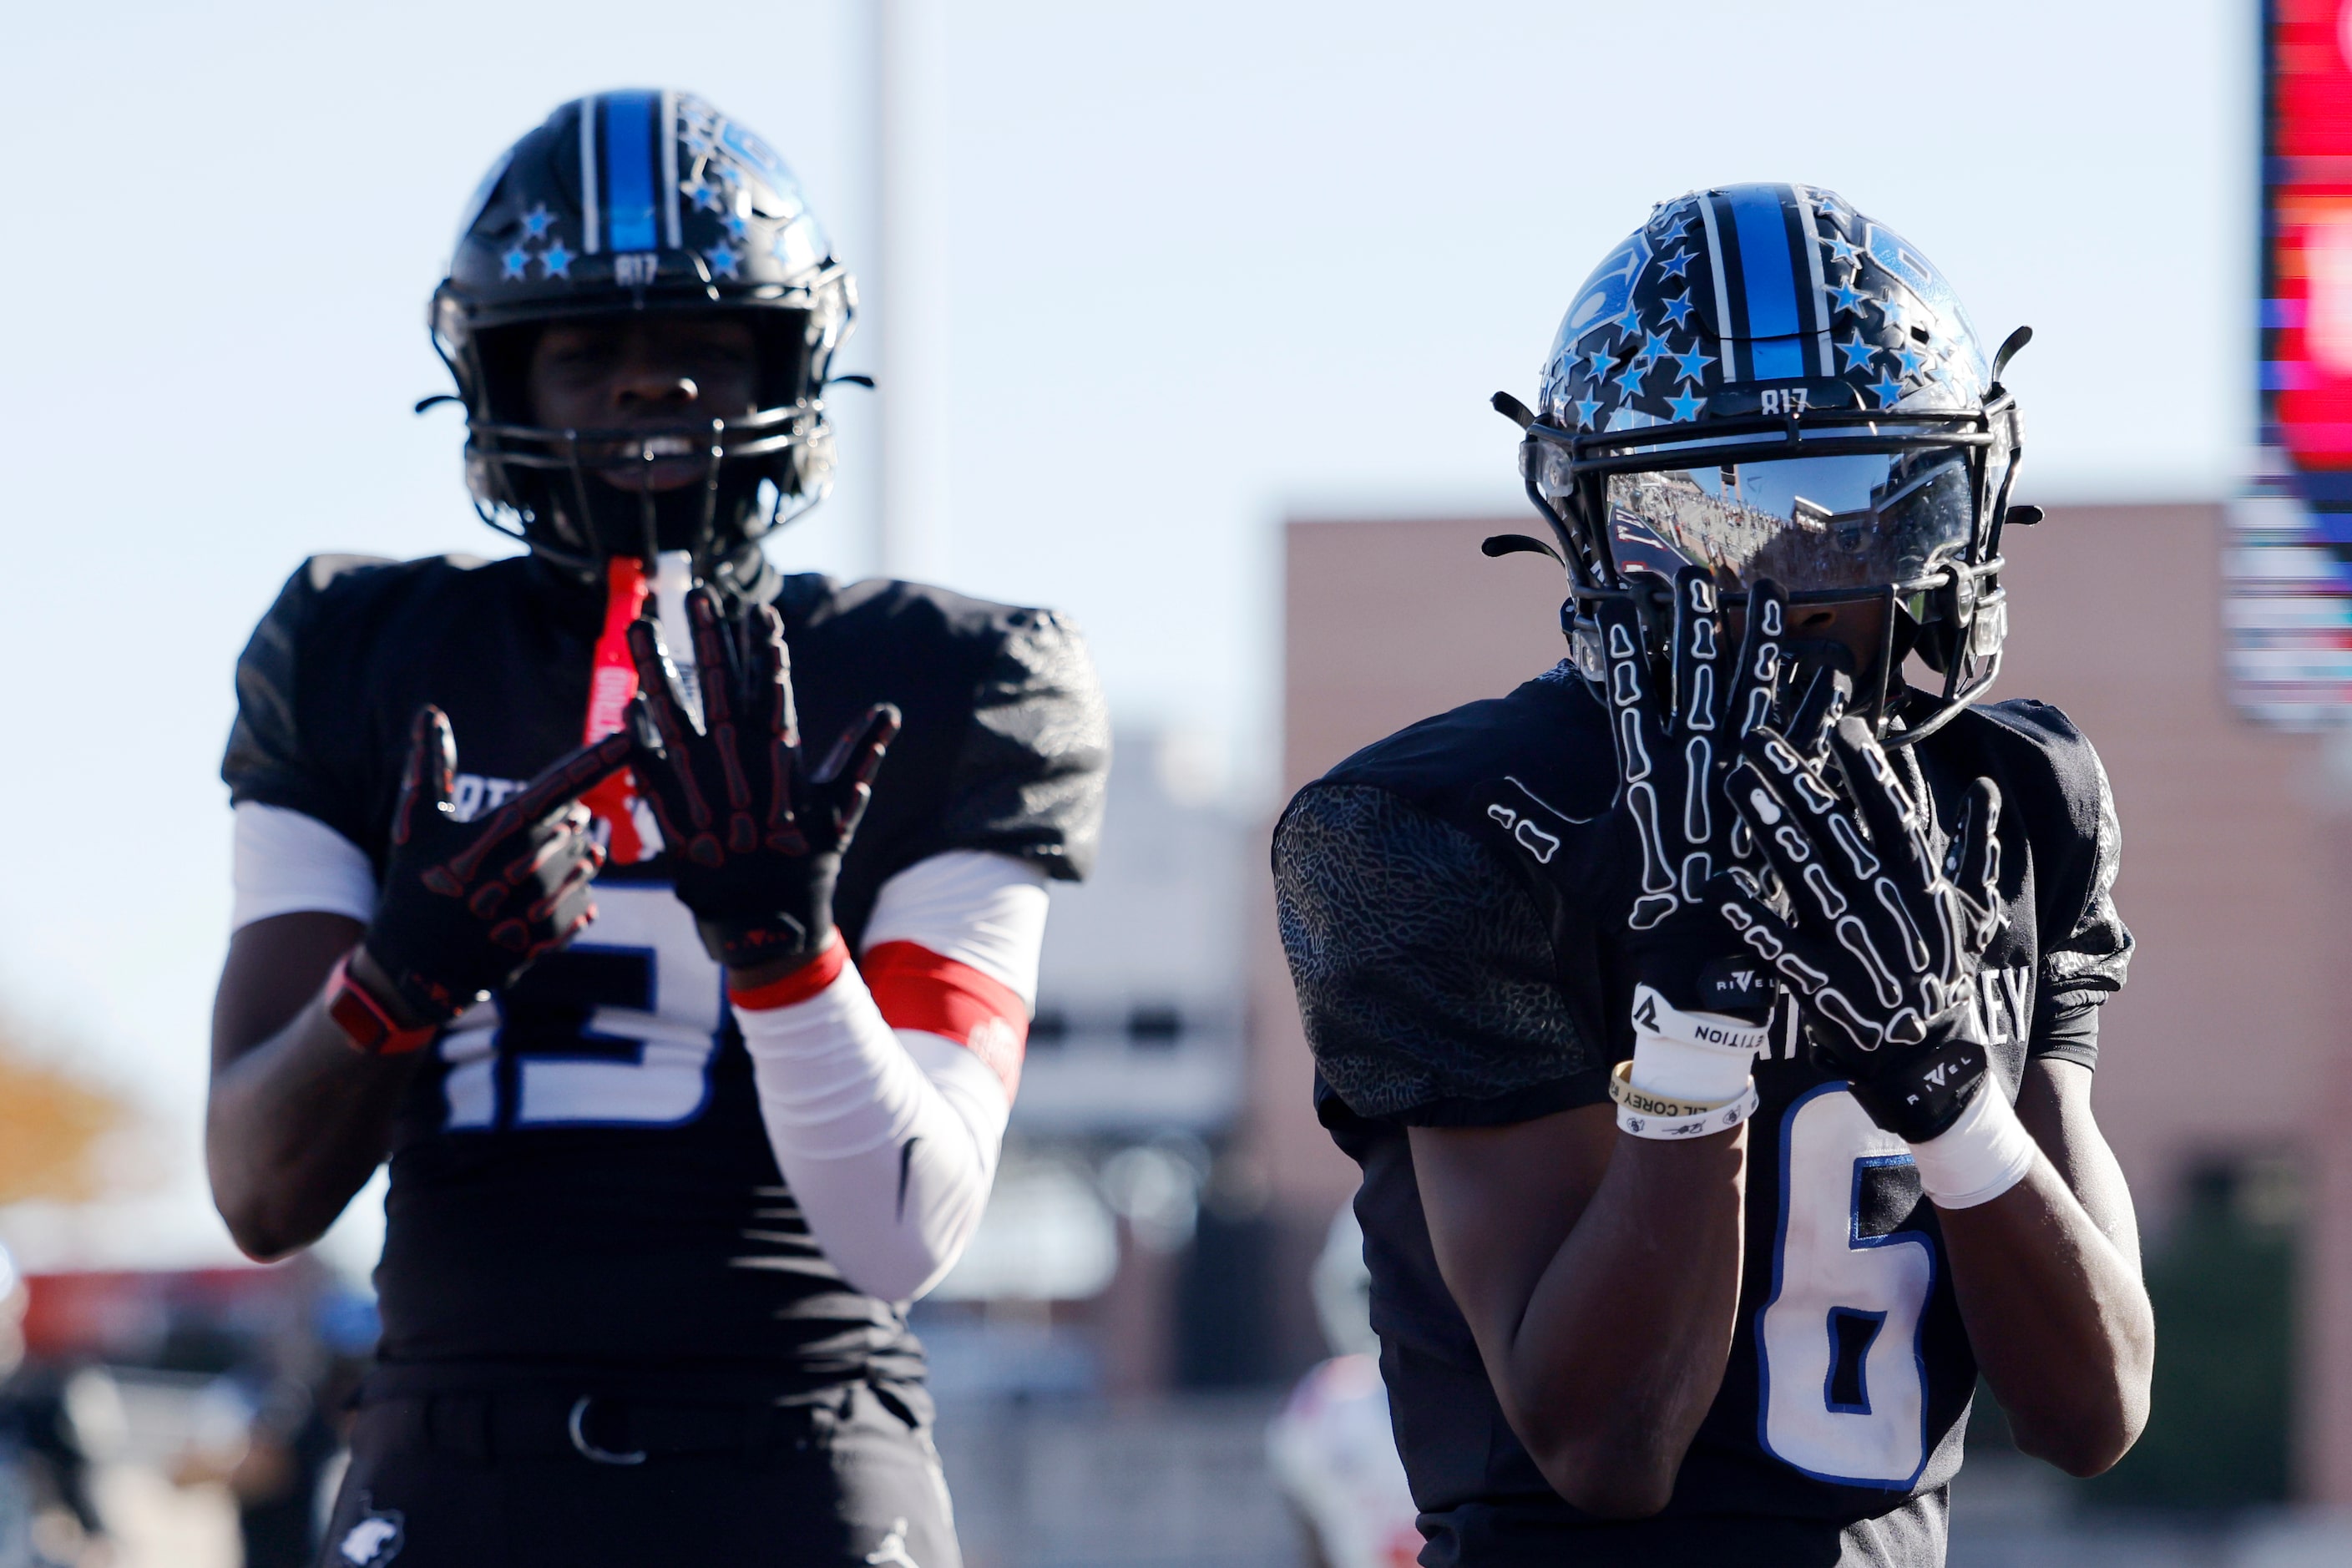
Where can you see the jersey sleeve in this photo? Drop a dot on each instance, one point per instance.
(1027, 778)
(283, 862)
(1426, 978)
(2085, 947)
(282, 748)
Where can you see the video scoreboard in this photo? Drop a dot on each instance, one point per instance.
(2289, 564)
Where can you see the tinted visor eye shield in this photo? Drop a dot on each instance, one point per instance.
(1860, 521)
(1829, 506)
(1835, 507)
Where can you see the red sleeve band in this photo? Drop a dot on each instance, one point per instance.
(799, 986)
(917, 989)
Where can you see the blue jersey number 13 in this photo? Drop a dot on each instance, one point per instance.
(635, 996)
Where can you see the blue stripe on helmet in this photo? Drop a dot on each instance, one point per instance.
(1724, 324)
(591, 221)
(1770, 284)
(1816, 288)
(628, 149)
(666, 162)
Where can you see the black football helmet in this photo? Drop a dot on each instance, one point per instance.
(642, 201)
(1762, 381)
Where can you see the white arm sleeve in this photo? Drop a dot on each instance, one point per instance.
(286, 863)
(889, 1138)
(981, 909)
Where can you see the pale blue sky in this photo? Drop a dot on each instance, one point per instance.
(1206, 265)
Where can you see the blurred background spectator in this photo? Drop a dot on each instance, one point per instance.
(46, 1514)
(1330, 1447)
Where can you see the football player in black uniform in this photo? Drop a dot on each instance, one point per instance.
(1833, 945)
(690, 1043)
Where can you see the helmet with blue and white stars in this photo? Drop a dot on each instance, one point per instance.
(642, 201)
(1765, 382)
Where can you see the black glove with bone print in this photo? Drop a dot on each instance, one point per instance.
(1881, 941)
(1672, 739)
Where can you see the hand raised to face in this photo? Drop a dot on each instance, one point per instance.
(1674, 738)
(1881, 940)
(1673, 730)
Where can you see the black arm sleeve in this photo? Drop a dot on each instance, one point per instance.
(1027, 779)
(276, 754)
(2078, 849)
(1425, 980)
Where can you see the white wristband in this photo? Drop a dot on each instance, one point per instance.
(1647, 1115)
(1700, 1057)
(1975, 1160)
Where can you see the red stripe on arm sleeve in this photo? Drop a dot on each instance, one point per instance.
(917, 989)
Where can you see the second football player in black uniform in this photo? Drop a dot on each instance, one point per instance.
(683, 977)
(1834, 948)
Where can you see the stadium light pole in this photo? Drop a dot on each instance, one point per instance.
(907, 300)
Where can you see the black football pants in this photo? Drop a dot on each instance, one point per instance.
(530, 1481)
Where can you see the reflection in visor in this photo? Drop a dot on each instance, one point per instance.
(1855, 520)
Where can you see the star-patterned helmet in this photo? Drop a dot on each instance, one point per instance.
(1763, 381)
(642, 201)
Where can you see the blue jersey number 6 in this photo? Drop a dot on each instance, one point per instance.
(1844, 1388)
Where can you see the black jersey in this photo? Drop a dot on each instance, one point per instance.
(580, 1177)
(1443, 982)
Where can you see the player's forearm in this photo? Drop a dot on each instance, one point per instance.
(1623, 1346)
(2058, 1319)
(296, 1120)
(887, 1138)
(294, 1127)
(893, 1217)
